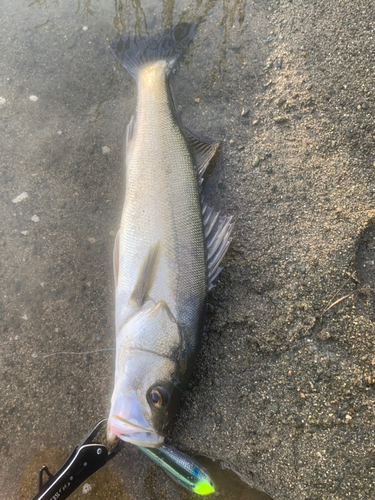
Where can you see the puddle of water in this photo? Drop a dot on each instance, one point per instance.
(229, 485)
(103, 485)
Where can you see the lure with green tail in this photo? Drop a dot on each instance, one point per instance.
(181, 468)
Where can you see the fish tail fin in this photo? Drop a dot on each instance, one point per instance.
(169, 45)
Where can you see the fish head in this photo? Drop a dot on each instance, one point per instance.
(145, 396)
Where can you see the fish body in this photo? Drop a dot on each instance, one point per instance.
(161, 254)
(162, 207)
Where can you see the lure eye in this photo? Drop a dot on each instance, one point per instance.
(159, 397)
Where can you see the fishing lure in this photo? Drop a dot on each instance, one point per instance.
(181, 468)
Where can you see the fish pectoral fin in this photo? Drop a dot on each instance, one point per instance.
(143, 283)
(116, 254)
(204, 152)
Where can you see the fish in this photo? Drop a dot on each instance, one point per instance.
(167, 250)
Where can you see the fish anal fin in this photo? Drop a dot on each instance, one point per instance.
(217, 229)
(139, 293)
(116, 256)
(129, 134)
(204, 151)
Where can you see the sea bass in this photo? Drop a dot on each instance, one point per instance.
(167, 250)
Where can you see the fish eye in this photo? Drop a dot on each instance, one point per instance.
(158, 397)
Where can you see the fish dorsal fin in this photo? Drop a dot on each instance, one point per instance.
(204, 152)
(116, 256)
(217, 230)
(139, 292)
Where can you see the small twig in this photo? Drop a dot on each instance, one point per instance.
(336, 293)
(337, 301)
(77, 353)
(346, 296)
(351, 276)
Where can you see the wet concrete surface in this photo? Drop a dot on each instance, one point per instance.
(283, 390)
(65, 105)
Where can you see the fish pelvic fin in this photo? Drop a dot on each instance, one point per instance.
(139, 293)
(169, 45)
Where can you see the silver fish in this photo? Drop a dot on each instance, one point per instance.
(167, 250)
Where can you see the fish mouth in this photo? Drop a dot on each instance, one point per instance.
(134, 434)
